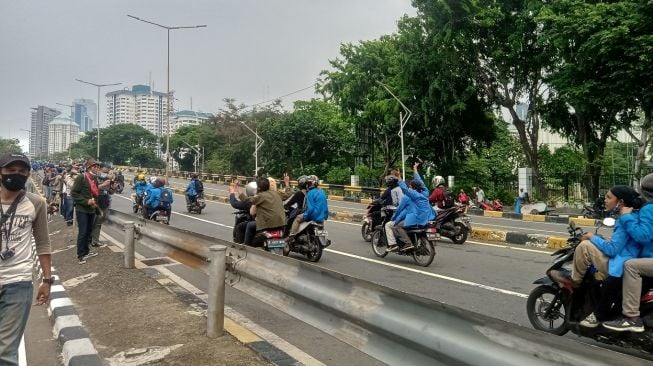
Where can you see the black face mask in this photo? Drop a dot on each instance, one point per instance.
(14, 182)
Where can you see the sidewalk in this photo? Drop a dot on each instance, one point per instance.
(130, 317)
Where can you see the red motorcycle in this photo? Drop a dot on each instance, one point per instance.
(495, 206)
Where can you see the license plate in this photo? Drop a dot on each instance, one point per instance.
(276, 243)
(431, 236)
(321, 233)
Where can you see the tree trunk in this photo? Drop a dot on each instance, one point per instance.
(642, 143)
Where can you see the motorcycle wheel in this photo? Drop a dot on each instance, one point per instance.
(367, 236)
(316, 254)
(379, 246)
(461, 229)
(190, 209)
(424, 252)
(537, 304)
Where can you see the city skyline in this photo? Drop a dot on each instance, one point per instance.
(251, 51)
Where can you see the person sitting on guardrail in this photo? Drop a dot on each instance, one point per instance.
(414, 210)
(316, 206)
(639, 225)
(194, 189)
(606, 255)
(269, 208)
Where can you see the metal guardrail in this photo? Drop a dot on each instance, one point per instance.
(392, 326)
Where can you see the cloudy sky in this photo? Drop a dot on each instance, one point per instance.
(251, 50)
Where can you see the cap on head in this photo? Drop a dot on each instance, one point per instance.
(12, 158)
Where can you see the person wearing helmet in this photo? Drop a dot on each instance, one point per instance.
(438, 195)
(316, 206)
(294, 205)
(158, 197)
(414, 210)
(241, 227)
(195, 188)
(269, 208)
(393, 194)
(140, 184)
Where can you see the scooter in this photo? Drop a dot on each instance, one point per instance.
(495, 206)
(422, 238)
(453, 223)
(310, 240)
(371, 219)
(161, 214)
(557, 310)
(197, 205)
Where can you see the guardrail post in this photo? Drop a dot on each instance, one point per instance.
(215, 315)
(129, 244)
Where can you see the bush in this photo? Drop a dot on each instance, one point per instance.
(338, 176)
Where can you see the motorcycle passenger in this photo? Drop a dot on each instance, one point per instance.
(194, 189)
(139, 186)
(438, 195)
(294, 205)
(241, 227)
(607, 256)
(639, 225)
(414, 210)
(159, 197)
(269, 208)
(316, 206)
(393, 193)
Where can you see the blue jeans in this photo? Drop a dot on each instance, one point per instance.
(85, 223)
(48, 192)
(15, 303)
(69, 207)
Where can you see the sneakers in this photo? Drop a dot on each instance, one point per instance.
(392, 248)
(69, 223)
(90, 254)
(82, 260)
(590, 321)
(626, 324)
(99, 244)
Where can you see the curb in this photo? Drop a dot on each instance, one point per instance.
(558, 219)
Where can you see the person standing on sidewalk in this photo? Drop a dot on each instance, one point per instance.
(23, 215)
(105, 184)
(69, 205)
(85, 193)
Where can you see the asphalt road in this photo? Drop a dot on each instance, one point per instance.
(478, 276)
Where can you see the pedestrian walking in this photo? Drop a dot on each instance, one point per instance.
(23, 216)
(85, 193)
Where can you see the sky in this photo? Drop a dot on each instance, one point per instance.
(251, 50)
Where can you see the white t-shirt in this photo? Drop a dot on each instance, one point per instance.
(30, 220)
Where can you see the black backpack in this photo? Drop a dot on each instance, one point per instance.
(199, 186)
(449, 199)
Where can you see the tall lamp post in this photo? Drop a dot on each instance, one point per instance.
(257, 145)
(70, 128)
(403, 118)
(97, 123)
(168, 28)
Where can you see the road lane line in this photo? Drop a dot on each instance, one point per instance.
(506, 247)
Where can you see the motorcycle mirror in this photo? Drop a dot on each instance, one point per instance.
(609, 222)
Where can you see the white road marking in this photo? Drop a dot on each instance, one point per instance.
(507, 247)
(79, 280)
(22, 356)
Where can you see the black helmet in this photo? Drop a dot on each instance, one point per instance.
(302, 182)
(391, 181)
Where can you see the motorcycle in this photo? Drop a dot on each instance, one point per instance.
(241, 219)
(119, 187)
(137, 204)
(371, 220)
(495, 206)
(310, 240)
(197, 205)
(453, 223)
(422, 238)
(557, 310)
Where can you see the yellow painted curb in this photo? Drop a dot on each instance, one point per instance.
(556, 242)
(582, 222)
(343, 215)
(539, 218)
(241, 333)
(493, 214)
(488, 234)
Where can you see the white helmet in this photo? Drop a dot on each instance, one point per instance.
(438, 180)
(250, 188)
(153, 179)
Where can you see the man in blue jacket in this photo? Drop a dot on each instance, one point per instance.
(414, 210)
(639, 225)
(193, 190)
(316, 208)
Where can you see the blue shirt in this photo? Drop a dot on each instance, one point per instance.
(191, 190)
(414, 208)
(639, 225)
(316, 206)
(620, 248)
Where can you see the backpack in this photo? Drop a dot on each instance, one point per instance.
(449, 199)
(166, 198)
(199, 186)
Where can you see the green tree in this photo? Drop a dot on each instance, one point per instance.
(10, 146)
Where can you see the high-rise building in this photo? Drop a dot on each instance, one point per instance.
(85, 114)
(62, 131)
(41, 118)
(140, 106)
(188, 118)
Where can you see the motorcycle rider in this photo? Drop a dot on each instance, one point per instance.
(393, 193)
(438, 195)
(193, 190)
(241, 228)
(639, 226)
(269, 208)
(153, 198)
(607, 256)
(294, 205)
(140, 184)
(414, 210)
(316, 206)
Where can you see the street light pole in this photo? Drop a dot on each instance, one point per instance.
(97, 123)
(403, 118)
(258, 142)
(168, 98)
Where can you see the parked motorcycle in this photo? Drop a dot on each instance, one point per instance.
(557, 310)
(453, 223)
(197, 205)
(422, 238)
(495, 206)
(371, 220)
(310, 240)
